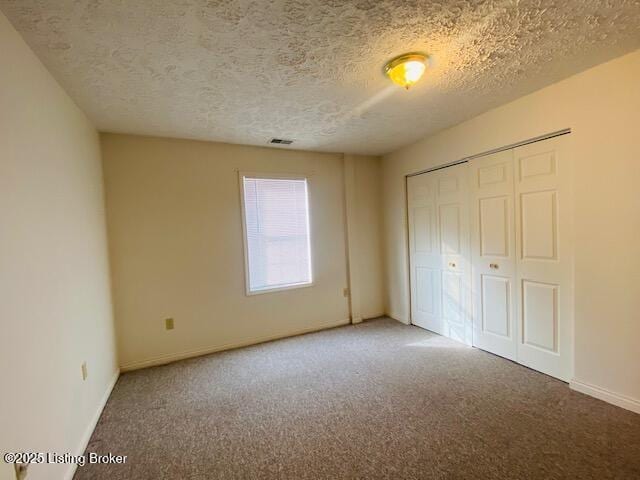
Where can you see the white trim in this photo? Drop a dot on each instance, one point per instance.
(84, 441)
(398, 318)
(606, 395)
(172, 357)
(289, 286)
(274, 176)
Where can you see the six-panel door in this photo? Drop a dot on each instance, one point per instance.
(519, 260)
(544, 257)
(493, 254)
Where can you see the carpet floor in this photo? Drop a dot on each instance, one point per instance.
(370, 401)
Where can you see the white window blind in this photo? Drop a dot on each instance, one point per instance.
(276, 216)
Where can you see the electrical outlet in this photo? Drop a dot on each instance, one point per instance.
(168, 323)
(85, 373)
(345, 292)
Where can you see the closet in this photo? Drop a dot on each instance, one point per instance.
(440, 257)
(513, 290)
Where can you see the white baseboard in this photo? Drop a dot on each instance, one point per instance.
(164, 359)
(398, 318)
(84, 441)
(606, 395)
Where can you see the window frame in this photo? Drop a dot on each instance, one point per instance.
(245, 243)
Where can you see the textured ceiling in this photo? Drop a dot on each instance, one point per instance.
(244, 71)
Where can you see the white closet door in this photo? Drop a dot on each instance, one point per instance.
(424, 253)
(439, 252)
(453, 228)
(544, 249)
(493, 254)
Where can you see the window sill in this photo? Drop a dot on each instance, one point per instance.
(279, 289)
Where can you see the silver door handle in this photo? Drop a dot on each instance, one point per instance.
(452, 264)
(494, 266)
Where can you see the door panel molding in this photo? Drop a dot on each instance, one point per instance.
(539, 225)
(540, 315)
(496, 305)
(493, 224)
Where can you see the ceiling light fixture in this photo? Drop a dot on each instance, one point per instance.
(406, 69)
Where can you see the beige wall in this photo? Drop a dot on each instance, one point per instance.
(54, 280)
(602, 106)
(176, 246)
(363, 188)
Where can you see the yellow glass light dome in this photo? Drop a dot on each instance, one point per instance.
(406, 69)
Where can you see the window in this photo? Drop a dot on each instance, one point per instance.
(276, 229)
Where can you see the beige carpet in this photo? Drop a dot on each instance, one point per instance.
(377, 400)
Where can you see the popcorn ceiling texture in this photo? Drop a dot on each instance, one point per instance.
(244, 71)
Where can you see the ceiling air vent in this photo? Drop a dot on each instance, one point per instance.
(281, 141)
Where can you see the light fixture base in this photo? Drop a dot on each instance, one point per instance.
(405, 70)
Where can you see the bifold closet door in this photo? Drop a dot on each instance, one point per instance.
(544, 250)
(493, 254)
(439, 255)
(522, 256)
